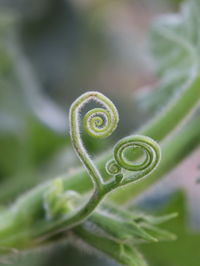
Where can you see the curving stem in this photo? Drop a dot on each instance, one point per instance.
(100, 123)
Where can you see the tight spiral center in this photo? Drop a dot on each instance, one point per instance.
(98, 123)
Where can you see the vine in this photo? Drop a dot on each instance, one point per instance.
(64, 209)
(100, 123)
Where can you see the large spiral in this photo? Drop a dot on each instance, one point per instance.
(150, 149)
(98, 122)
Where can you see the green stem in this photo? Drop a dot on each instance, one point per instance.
(174, 150)
(98, 122)
(169, 119)
(164, 123)
(79, 181)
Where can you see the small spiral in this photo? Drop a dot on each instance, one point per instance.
(98, 123)
(113, 168)
(148, 146)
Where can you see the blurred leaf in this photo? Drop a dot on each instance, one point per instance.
(117, 232)
(175, 46)
(31, 126)
(185, 250)
(122, 253)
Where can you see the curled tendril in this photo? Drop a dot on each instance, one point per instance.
(101, 122)
(150, 150)
(98, 122)
(113, 168)
(146, 144)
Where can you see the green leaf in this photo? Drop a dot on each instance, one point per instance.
(135, 225)
(120, 252)
(58, 202)
(122, 229)
(115, 232)
(185, 250)
(175, 46)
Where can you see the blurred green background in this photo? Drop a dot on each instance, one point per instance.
(51, 51)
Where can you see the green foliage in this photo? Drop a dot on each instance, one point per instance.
(116, 233)
(174, 44)
(61, 208)
(177, 252)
